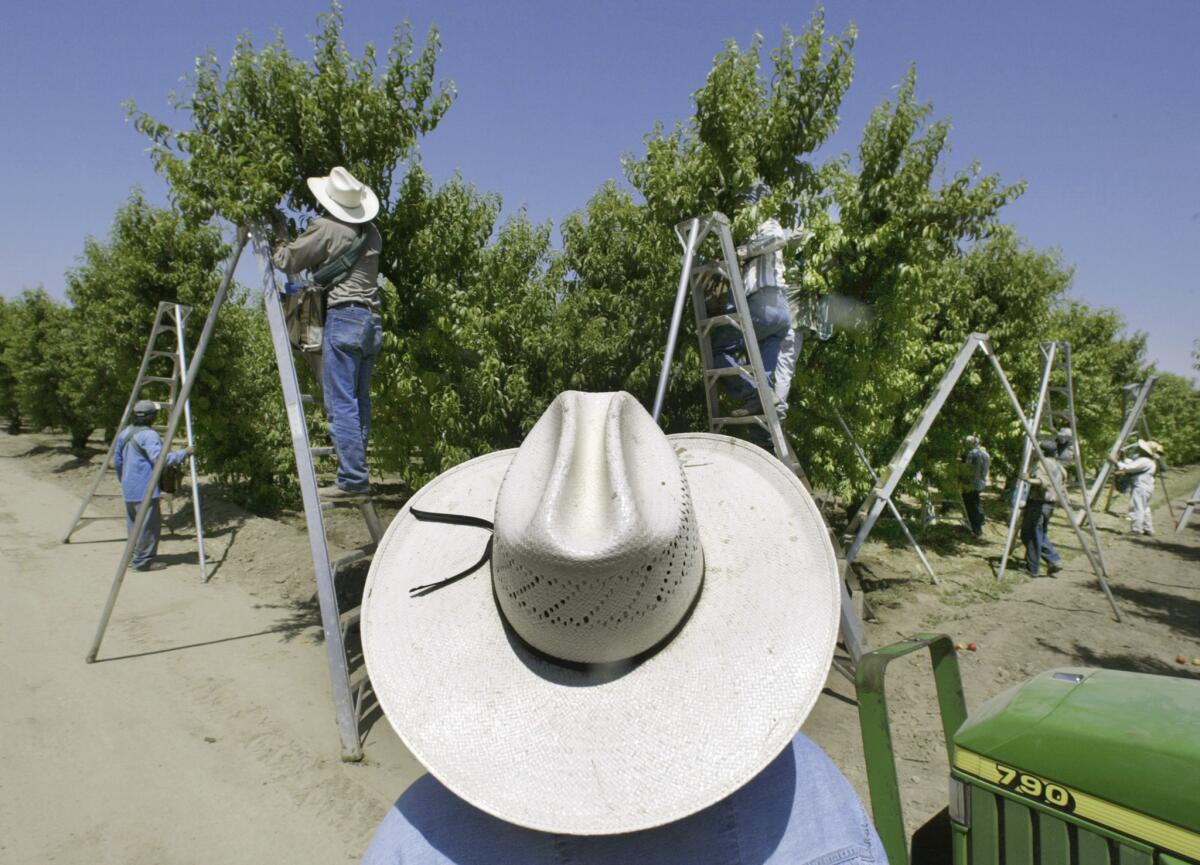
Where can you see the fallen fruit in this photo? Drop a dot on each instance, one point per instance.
(1196, 661)
(960, 647)
(1181, 659)
(973, 647)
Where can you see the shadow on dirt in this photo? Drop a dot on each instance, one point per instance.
(1184, 551)
(298, 617)
(1086, 656)
(304, 614)
(1180, 614)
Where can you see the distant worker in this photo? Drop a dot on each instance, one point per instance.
(1064, 441)
(771, 315)
(978, 462)
(138, 448)
(1141, 468)
(341, 249)
(1035, 522)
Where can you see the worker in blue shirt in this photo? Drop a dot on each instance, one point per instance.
(138, 447)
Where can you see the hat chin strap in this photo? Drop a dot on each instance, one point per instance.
(618, 667)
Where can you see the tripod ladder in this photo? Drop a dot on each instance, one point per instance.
(870, 510)
(692, 233)
(348, 697)
(1132, 414)
(1130, 392)
(890, 504)
(349, 692)
(169, 319)
(1055, 408)
(1187, 511)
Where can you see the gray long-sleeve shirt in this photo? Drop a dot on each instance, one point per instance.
(324, 240)
(1041, 485)
(979, 461)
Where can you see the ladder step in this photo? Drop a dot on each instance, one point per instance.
(720, 319)
(351, 557)
(170, 354)
(357, 501)
(721, 372)
(321, 452)
(349, 619)
(735, 421)
(164, 379)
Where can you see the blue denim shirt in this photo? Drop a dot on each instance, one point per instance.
(980, 461)
(800, 810)
(134, 469)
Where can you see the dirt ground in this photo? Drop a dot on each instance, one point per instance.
(205, 731)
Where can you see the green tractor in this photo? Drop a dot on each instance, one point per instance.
(1076, 766)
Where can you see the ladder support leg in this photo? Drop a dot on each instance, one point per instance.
(335, 648)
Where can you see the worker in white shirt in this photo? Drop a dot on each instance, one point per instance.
(771, 315)
(1141, 467)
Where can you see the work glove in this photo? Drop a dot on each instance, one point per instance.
(278, 225)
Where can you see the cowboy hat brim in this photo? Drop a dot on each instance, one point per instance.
(367, 209)
(564, 750)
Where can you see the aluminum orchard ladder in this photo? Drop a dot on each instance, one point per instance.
(178, 407)
(349, 693)
(1192, 501)
(348, 698)
(692, 233)
(1130, 393)
(170, 318)
(890, 504)
(1055, 406)
(869, 511)
(1132, 414)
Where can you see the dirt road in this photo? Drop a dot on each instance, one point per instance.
(205, 731)
(203, 734)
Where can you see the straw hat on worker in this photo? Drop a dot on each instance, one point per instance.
(1149, 448)
(607, 629)
(344, 196)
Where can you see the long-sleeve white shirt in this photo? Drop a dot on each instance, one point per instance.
(764, 269)
(1142, 469)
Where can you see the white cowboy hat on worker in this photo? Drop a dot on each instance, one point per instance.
(344, 196)
(651, 621)
(1150, 448)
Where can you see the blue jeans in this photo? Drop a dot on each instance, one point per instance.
(974, 509)
(353, 337)
(1035, 523)
(772, 319)
(146, 547)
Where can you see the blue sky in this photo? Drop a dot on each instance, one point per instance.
(1096, 105)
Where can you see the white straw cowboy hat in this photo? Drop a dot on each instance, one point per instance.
(656, 620)
(344, 196)
(1150, 448)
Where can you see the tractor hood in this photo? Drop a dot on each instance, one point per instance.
(1131, 739)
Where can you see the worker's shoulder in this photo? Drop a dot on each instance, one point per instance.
(337, 227)
(147, 434)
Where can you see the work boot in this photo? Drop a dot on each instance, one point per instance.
(153, 565)
(1053, 568)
